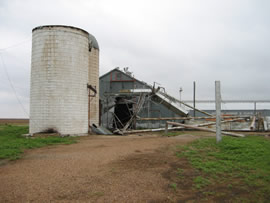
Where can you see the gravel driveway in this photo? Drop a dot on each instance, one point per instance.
(96, 169)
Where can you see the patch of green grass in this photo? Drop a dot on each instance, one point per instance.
(12, 143)
(244, 161)
(173, 133)
(180, 172)
(201, 182)
(97, 194)
(229, 186)
(208, 193)
(173, 186)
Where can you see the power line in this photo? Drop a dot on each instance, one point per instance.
(17, 44)
(14, 90)
(12, 86)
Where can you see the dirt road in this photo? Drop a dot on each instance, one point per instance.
(97, 169)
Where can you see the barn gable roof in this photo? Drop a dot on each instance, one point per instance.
(127, 75)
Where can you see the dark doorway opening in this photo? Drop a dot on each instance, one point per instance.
(123, 112)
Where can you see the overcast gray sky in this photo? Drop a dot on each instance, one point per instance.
(170, 42)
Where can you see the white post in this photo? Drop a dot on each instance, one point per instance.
(166, 128)
(194, 93)
(218, 111)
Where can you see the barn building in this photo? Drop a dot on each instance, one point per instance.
(124, 97)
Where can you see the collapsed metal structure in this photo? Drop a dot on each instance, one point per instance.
(130, 106)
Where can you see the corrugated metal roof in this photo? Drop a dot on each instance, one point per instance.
(131, 77)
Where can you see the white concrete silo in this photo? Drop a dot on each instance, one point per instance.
(59, 78)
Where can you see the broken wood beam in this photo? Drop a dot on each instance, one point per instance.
(165, 118)
(188, 118)
(204, 129)
(152, 130)
(253, 123)
(213, 123)
(134, 116)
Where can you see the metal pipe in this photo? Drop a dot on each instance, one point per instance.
(89, 110)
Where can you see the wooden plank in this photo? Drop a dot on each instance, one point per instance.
(253, 123)
(213, 123)
(204, 129)
(188, 118)
(137, 110)
(153, 130)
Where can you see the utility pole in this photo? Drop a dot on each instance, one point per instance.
(180, 92)
(255, 108)
(194, 93)
(218, 111)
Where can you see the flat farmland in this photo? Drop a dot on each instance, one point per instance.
(14, 121)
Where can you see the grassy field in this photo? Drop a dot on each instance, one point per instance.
(12, 144)
(235, 170)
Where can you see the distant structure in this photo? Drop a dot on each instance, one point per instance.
(64, 80)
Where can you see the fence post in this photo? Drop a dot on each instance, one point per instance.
(166, 128)
(218, 111)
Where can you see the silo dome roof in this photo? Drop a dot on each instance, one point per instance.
(59, 26)
(93, 41)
